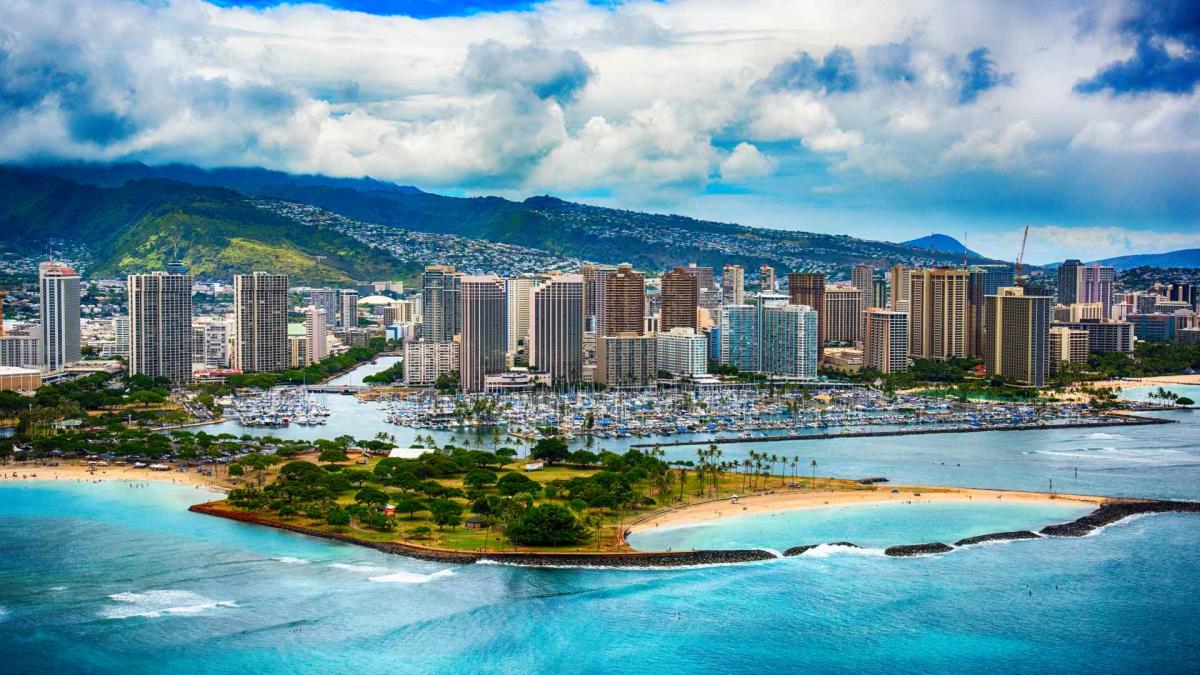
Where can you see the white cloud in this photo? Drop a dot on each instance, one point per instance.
(800, 117)
(745, 162)
(990, 149)
(1172, 126)
(1051, 243)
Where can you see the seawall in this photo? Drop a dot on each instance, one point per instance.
(1123, 420)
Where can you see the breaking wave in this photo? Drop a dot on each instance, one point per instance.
(154, 604)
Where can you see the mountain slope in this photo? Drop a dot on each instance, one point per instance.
(650, 241)
(1189, 257)
(146, 222)
(942, 242)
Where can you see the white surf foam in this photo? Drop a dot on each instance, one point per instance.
(289, 560)
(401, 577)
(827, 550)
(1102, 436)
(157, 603)
(360, 569)
(58, 589)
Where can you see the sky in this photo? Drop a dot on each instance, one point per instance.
(879, 119)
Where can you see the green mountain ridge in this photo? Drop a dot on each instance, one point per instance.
(215, 231)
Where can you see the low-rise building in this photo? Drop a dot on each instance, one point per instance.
(626, 360)
(1067, 345)
(19, 379)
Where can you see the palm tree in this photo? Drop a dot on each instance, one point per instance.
(814, 474)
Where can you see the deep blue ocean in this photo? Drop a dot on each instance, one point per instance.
(110, 578)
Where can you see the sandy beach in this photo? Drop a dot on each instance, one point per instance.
(1148, 381)
(78, 471)
(808, 499)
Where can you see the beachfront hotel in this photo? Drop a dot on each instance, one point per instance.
(939, 313)
(483, 330)
(59, 309)
(1017, 343)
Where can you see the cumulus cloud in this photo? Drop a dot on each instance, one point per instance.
(746, 161)
(990, 149)
(835, 73)
(586, 97)
(548, 73)
(1166, 53)
(978, 75)
(800, 117)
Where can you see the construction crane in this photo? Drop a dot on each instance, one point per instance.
(1021, 258)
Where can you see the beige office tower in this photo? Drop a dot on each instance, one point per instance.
(626, 360)
(862, 277)
(885, 340)
(766, 279)
(483, 331)
(899, 283)
(938, 313)
(624, 303)
(556, 328)
(1067, 346)
(595, 281)
(160, 326)
(260, 308)
(1017, 336)
(843, 312)
(680, 300)
(518, 292)
(733, 285)
(316, 330)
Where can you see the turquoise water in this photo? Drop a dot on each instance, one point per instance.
(108, 578)
(1191, 391)
(874, 526)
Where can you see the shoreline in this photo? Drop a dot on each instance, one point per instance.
(77, 472)
(802, 500)
(1183, 379)
(1121, 421)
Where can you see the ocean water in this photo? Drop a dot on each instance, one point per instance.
(109, 578)
(874, 525)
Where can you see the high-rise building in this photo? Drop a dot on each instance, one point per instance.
(682, 352)
(680, 298)
(808, 288)
(898, 281)
(483, 330)
(595, 281)
(556, 328)
(348, 308)
(739, 337)
(766, 278)
(1017, 336)
(626, 360)
(1095, 284)
(517, 293)
(1067, 346)
(996, 277)
(624, 303)
(879, 295)
(733, 284)
(59, 310)
(398, 313)
(425, 361)
(938, 313)
(260, 307)
(441, 304)
(704, 276)
(790, 341)
(885, 340)
(976, 291)
(1068, 282)
(843, 313)
(160, 326)
(862, 277)
(21, 349)
(316, 329)
(326, 299)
